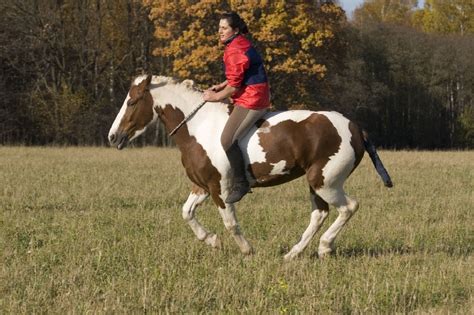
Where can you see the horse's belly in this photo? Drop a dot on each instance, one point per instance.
(264, 175)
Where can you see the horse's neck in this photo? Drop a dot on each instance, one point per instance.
(179, 97)
(178, 102)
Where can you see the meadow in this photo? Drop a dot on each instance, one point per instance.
(96, 230)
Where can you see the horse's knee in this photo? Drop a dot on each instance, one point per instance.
(192, 203)
(187, 212)
(187, 216)
(349, 208)
(352, 205)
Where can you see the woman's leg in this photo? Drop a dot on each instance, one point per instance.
(238, 124)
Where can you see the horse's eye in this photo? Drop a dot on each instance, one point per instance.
(131, 102)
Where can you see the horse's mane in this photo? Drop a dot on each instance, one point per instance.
(187, 85)
(159, 80)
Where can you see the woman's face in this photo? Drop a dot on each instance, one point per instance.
(225, 31)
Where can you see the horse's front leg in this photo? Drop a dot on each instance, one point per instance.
(196, 197)
(232, 225)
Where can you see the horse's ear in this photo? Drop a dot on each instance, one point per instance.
(188, 83)
(148, 80)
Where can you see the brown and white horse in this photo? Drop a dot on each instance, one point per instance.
(325, 146)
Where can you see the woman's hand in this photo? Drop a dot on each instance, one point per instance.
(210, 96)
(215, 88)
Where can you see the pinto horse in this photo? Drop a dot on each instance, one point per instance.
(282, 146)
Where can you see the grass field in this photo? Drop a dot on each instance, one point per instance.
(98, 230)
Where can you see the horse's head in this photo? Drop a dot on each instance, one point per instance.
(135, 115)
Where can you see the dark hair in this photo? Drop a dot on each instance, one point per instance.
(235, 21)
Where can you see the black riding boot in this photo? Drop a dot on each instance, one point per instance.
(241, 185)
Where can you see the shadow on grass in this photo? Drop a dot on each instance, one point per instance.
(358, 251)
(395, 249)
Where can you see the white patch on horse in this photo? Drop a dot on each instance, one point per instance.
(344, 157)
(279, 168)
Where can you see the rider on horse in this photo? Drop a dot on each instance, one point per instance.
(246, 83)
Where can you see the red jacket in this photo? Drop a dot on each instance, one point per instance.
(244, 70)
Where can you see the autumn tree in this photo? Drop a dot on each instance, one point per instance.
(294, 38)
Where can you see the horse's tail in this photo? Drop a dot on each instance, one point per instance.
(370, 148)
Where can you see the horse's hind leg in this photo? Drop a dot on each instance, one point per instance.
(232, 225)
(196, 197)
(346, 206)
(320, 210)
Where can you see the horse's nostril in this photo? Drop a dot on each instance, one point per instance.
(112, 137)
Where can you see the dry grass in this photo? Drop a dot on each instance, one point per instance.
(97, 230)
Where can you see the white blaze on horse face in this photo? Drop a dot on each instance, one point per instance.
(118, 118)
(340, 164)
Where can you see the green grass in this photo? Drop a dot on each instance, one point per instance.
(97, 230)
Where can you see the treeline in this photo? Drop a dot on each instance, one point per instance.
(67, 66)
(404, 73)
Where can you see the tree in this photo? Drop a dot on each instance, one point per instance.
(69, 64)
(293, 38)
(387, 11)
(439, 16)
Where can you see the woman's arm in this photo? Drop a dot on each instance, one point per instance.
(217, 87)
(225, 92)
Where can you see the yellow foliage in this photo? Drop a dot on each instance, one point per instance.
(290, 37)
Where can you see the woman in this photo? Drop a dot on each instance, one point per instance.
(247, 85)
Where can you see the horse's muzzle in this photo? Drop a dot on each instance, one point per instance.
(118, 139)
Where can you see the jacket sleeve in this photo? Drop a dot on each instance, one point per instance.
(235, 66)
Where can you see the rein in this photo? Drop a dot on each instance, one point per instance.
(187, 118)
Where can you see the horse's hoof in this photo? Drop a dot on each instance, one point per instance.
(248, 251)
(289, 256)
(324, 253)
(214, 241)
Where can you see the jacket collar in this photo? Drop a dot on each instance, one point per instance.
(230, 39)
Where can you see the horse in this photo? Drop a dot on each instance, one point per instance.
(282, 146)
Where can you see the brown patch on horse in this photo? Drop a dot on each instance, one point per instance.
(357, 143)
(139, 110)
(194, 158)
(305, 146)
(198, 190)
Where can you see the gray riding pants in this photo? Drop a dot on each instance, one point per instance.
(239, 123)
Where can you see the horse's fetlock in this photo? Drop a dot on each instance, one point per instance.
(353, 206)
(202, 236)
(233, 229)
(213, 241)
